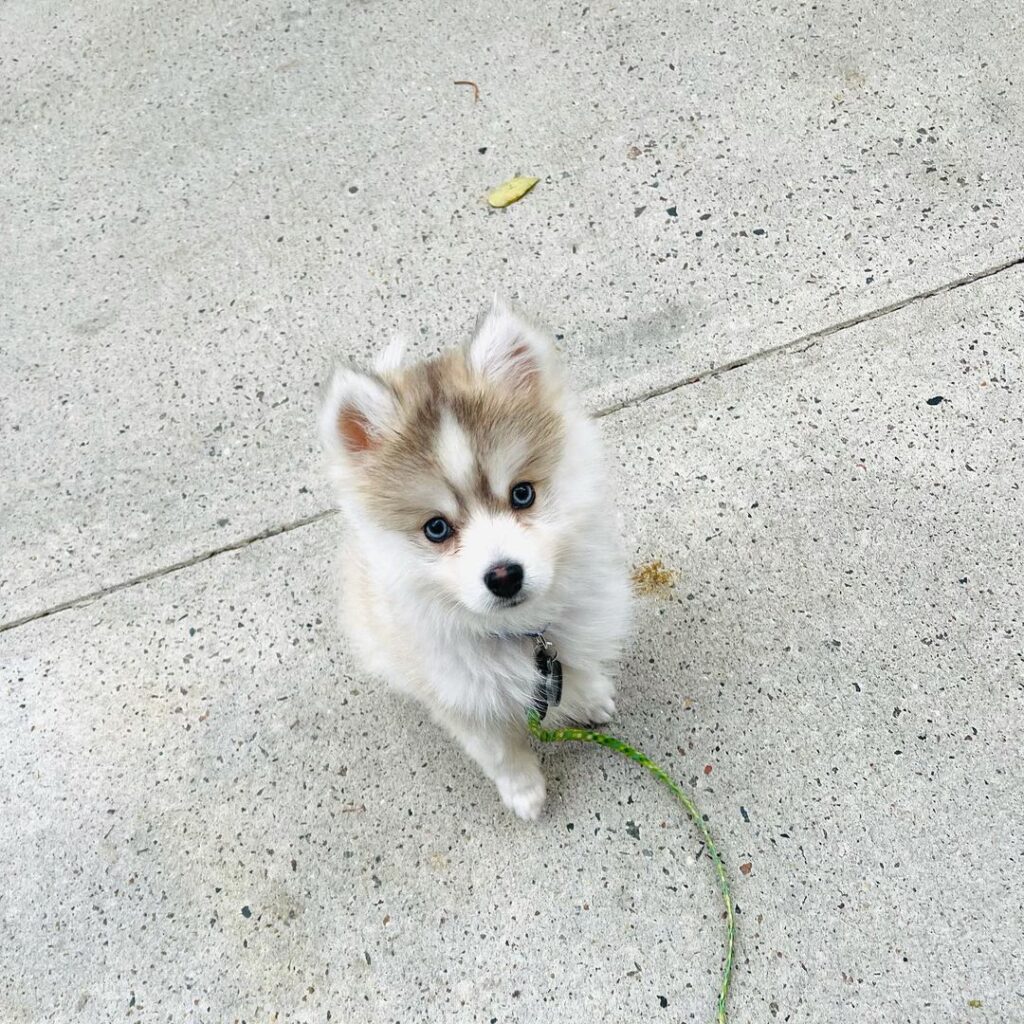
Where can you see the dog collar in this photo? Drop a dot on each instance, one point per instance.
(533, 634)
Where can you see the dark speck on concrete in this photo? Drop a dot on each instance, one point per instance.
(246, 911)
(637, 210)
(672, 211)
(353, 189)
(705, 216)
(936, 400)
(743, 814)
(482, 150)
(758, 231)
(663, 1001)
(633, 829)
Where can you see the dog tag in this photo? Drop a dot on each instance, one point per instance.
(549, 687)
(554, 683)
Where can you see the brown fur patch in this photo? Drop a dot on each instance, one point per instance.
(402, 481)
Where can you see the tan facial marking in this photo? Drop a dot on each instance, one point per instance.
(461, 443)
(505, 464)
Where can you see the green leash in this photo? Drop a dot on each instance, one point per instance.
(603, 740)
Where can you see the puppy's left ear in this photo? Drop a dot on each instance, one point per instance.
(508, 349)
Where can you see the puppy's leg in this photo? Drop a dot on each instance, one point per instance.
(588, 695)
(503, 752)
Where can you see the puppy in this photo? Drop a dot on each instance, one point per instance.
(478, 530)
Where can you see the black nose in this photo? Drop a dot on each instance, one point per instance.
(504, 579)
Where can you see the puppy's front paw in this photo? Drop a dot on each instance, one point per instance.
(595, 702)
(600, 712)
(523, 792)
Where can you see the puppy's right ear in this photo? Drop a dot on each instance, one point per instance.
(358, 411)
(511, 351)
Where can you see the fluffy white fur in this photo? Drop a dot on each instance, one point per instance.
(425, 621)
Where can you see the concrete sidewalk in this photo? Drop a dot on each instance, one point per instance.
(209, 815)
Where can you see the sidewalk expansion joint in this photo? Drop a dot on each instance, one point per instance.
(167, 570)
(808, 341)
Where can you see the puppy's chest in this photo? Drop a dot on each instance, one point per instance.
(501, 659)
(492, 672)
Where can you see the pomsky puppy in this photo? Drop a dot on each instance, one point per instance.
(476, 517)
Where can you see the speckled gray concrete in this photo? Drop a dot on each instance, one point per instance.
(209, 815)
(201, 207)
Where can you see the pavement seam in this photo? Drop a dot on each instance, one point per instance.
(798, 345)
(167, 570)
(808, 341)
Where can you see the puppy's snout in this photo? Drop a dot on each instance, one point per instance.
(504, 579)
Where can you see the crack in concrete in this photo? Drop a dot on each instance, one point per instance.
(808, 341)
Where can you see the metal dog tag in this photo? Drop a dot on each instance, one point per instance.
(549, 686)
(555, 684)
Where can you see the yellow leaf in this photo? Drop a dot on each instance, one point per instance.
(974, 1004)
(510, 191)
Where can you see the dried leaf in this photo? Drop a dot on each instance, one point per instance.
(510, 191)
(653, 579)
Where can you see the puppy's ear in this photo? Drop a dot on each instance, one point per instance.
(358, 411)
(390, 359)
(506, 348)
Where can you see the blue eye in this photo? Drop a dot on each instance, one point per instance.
(437, 530)
(523, 495)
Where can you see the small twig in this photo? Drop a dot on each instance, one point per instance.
(473, 86)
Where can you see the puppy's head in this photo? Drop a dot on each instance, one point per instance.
(451, 468)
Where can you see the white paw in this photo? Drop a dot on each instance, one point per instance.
(601, 712)
(590, 699)
(523, 793)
